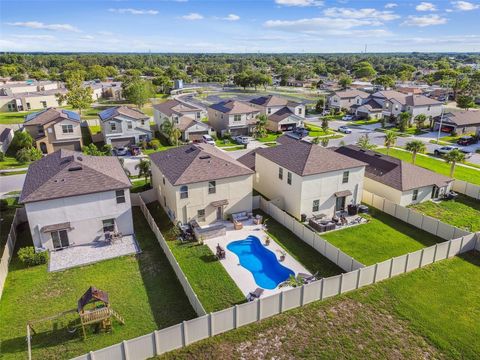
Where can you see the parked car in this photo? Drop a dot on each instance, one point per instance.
(207, 139)
(444, 150)
(325, 112)
(300, 132)
(121, 151)
(468, 154)
(467, 140)
(345, 129)
(240, 139)
(348, 117)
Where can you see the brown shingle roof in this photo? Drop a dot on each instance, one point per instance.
(248, 159)
(282, 114)
(305, 158)
(122, 110)
(351, 93)
(175, 107)
(197, 163)
(393, 172)
(462, 118)
(273, 100)
(51, 114)
(67, 173)
(234, 107)
(421, 100)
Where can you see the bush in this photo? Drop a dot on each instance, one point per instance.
(2, 156)
(29, 257)
(25, 155)
(155, 144)
(21, 139)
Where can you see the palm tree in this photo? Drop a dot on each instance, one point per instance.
(390, 140)
(415, 147)
(325, 141)
(420, 120)
(143, 169)
(364, 143)
(260, 130)
(167, 127)
(453, 157)
(174, 136)
(404, 121)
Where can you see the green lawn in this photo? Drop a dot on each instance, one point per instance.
(11, 163)
(143, 289)
(430, 313)
(210, 281)
(140, 185)
(271, 137)
(382, 238)
(463, 212)
(363, 122)
(13, 117)
(302, 252)
(314, 130)
(437, 165)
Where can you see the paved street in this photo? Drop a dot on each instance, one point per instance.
(11, 183)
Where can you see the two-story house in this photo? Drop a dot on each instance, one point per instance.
(73, 199)
(200, 182)
(304, 178)
(282, 114)
(233, 116)
(54, 129)
(123, 126)
(348, 99)
(183, 116)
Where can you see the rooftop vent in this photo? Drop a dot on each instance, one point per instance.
(203, 157)
(378, 155)
(75, 168)
(79, 158)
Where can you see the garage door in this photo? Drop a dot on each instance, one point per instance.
(123, 142)
(196, 136)
(72, 145)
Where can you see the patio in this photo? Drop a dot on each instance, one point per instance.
(91, 253)
(243, 277)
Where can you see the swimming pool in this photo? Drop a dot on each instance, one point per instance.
(260, 261)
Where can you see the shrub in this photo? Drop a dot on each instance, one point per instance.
(155, 144)
(2, 156)
(29, 257)
(21, 139)
(25, 155)
(3, 204)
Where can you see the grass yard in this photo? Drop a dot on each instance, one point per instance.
(11, 163)
(143, 289)
(363, 122)
(463, 212)
(301, 251)
(430, 313)
(437, 165)
(140, 185)
(6, 222)
(314, 130)
(210, 281)
(13, 117)
(271, 137)
(382, 238)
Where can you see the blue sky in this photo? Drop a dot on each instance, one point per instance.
(239, 26)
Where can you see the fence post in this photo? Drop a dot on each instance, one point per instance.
(210, 325)
(235, 317)
(184, 333)
(341, 283)
(421, 258)
(435, 253)
(156, 336)
(351, 265)
(406, 263)
(321, 289)
(259, 309)
(358, 278)
(92, 355)
(375, 273)
(338, 255)
(449, 246)
(461, 245)
(302, 294)
(125, 349)
(281, 302)
(391, 267)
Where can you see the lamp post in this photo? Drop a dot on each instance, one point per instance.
(440, 127)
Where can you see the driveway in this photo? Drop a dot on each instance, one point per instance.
(11, 183)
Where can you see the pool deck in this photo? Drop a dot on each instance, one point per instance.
(243, 277)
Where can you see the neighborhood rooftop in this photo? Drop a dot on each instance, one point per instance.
(45, 116)
(233, 107)
(122, 110)
(406, 99)
(68, 173)
(175, 107)
(393, 172)
(351, 93)
(463, 118)
(273, 100)
(197, 163)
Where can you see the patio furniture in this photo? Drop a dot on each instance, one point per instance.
(322, 225)
(255, 294)
(220, 252)
(352, 209)
(240, 216)
(108, 237)
(257, 220)
(307, 278)
(237, 225)
(362, 209)
(451, 195)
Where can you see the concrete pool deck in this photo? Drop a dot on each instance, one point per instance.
(243, 277)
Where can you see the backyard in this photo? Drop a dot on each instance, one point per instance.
(430, 313)
(382, 238)
(437, 165)
(463, 212)
(143, 289)
(6, 221)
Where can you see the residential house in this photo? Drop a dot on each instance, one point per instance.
(54, 129)
(185, 117)
(73, 199)
(30, 100)
(396, 180)
(460, 122)
(305, 179)
(233, 116)
(111, 90)
(6, 136)
(123, 126)
(30, 86)
(282, 114)
(200, 182)
(348, 99)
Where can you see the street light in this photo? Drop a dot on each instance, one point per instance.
(440, 127)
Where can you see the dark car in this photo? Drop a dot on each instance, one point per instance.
(467, 140)
(300, 132)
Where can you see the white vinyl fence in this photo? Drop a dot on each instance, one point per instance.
(192, 297)
(467, 188)
(412, 217)
(332, 253)
(19, 217)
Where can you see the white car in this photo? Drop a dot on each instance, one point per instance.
(347, 118)
(345, 129)
(123, 151)
(207, 139)
(243, 140)
(444, 150)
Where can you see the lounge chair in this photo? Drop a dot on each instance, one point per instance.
(307, 278)
(255, 294)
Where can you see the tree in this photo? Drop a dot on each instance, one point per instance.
(420, 120)
(390, 140)
(144, 169)
(325, 141)
(61, 98)
(175, 136)
(345, 81)
(386, 81)
(465, 102)
(22, 140)
(320, 105)
(91, 149)
(364, 69)
(453, 157)
(324, 125)
(97, 72)
(260, 130)
(39, 75)
(25, 155)
(138, 91)
(415, 147)
(316, 140)
(364, 143)
(403, 121)
(79, 97)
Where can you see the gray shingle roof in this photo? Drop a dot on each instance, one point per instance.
(51, 114)
(351, 93)
(66, 173)
(234, 107)
(175, 107)
(273, 100)
(462, 118)
(122, 110)
(197, 163)
(282, 114)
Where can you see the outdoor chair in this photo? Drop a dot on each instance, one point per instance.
(220, 252)
(306, 278)
(255, 294)
(237, 225)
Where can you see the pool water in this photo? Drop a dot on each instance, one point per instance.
(260, 261)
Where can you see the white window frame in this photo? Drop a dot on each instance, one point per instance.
(184, 192)
(67, 129)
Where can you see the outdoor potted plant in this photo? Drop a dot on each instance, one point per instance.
(267, 240)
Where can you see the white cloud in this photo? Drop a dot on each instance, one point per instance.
(34, 37)
(301, 3)
(193, 16)
(231, 17)
(390, 5)
(87, 37)
(423, 21)
(134, 11)
(465, 5)
(305, 25)
(426, 6)
(367, 13)
(42, 26)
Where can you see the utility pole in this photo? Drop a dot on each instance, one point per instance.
(440, 127)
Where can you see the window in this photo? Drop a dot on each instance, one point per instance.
(198, 115)
(120, 195)
(212, 187)
(129, 125)
(269, 111)
(201, 215)
(44, 104)
(415, 195)
(113, 126)
(108, 225)
(289, 178)
(28, 106)
(163, 179)
(299, 111)
(184, 192)
(142, 121)
(346, 174)
(316, 205)
(237, 117)
(280, 173)
(67, 129)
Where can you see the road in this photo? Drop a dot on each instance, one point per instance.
(11, 183)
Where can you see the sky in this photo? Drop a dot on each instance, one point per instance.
(239, 26)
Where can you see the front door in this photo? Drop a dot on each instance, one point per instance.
(60, 239)
(340, 203)
(435, 192)
(220, 213)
